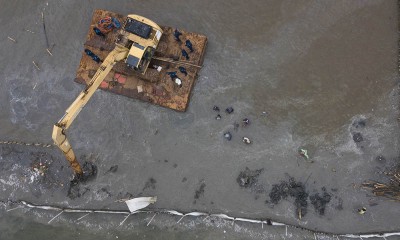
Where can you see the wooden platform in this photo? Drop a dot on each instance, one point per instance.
(153, 87)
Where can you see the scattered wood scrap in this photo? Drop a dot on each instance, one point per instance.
(390, 190)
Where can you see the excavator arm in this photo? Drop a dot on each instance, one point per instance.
(59, 130)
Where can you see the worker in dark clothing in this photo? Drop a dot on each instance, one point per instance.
(177, 34)
(98, 32)
(183, 70)
(185, 54)
(172, 75)
(92, 55)
(189, 45)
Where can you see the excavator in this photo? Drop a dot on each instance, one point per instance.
(135, 45)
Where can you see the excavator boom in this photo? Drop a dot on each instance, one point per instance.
(130, 36)
(59, 130)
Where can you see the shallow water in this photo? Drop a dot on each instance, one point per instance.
(315, 68)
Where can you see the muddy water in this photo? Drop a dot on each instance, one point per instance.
(303, 72)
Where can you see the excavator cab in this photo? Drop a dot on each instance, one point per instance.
(143, 36)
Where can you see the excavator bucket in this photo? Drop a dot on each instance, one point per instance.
(156, 86)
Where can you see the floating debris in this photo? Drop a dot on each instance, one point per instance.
(229, 110)
(36, 65)
(139, 203)
(48, 51)
(218, 117)
(362, 210)
(228, 136)
(29, 31)
(216, 108)
(12, 39)
(246, 140)
(380, 159)
(303, 153)
(245, 121)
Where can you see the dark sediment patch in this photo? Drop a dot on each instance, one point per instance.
(294, 189)
(200, 191)
(248, 178)
(339, 205)
(112, 169)
(357, 137)
(320, 201)
(236, 126)
(104, 191)
(184, 179)
(150, 184)
(359, 123)
(89, 173)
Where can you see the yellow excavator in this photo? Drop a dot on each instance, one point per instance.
(135, 45)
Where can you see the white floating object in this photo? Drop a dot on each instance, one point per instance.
(159, 68)
(140, 88)
(139, 203)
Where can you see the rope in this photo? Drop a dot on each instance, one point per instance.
(44, 145)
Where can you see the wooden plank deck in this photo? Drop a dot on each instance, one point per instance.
(153, 87)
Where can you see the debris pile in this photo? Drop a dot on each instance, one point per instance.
(390, 190)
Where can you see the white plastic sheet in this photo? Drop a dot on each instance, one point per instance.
(139, 203)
